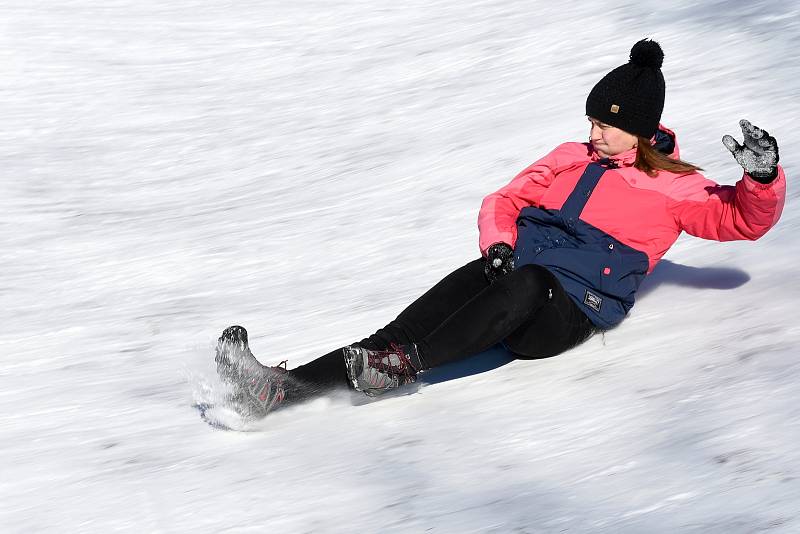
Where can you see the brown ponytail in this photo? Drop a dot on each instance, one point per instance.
(650, 161)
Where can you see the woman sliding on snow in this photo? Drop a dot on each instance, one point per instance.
(564, 248)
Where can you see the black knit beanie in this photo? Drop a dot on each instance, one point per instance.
(631, 97)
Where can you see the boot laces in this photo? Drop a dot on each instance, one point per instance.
(382, 361)
(269, 389)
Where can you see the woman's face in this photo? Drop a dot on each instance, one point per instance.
(608, 140)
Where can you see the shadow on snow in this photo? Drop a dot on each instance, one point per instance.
(667, 273)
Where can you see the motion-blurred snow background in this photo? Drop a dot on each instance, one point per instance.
(308, 168)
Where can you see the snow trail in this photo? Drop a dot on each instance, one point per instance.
(306, 169)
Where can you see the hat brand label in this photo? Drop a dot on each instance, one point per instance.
(614, 108)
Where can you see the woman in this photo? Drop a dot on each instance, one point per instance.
(564, 247)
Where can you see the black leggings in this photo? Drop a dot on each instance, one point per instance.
(463, 314)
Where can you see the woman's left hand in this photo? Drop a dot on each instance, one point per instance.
(758, 156)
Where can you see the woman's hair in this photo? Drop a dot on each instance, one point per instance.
(650, 160)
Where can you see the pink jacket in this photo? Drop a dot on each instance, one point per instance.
(648, 214)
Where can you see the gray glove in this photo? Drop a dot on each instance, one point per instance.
(758, 156)
(499, 261)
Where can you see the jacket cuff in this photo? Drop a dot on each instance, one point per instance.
(500, 237)
(753, 183)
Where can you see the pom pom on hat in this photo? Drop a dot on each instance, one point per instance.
(647, 54)
(631, 97)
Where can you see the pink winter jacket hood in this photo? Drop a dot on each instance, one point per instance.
(643, 212)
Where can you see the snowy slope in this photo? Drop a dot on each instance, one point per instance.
(306, 169)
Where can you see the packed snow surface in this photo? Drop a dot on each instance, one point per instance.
(306, 169)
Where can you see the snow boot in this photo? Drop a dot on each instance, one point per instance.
(256, 389)
(374, 372)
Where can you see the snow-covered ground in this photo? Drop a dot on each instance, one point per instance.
(306, 169)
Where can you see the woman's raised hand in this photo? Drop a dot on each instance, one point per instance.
(759, 154)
